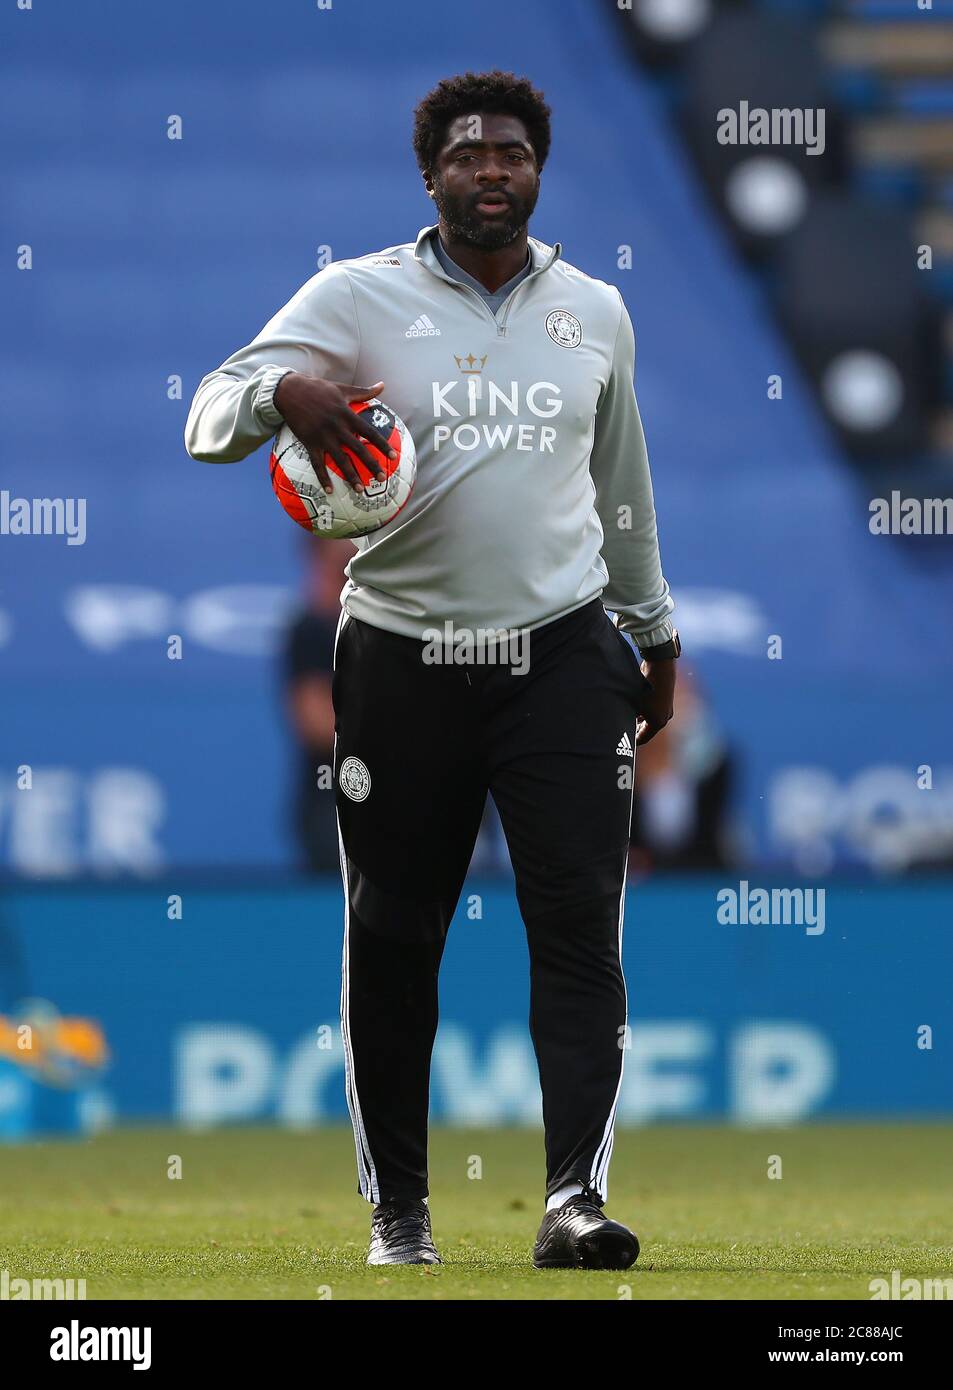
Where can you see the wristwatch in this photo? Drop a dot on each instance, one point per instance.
(665, 651)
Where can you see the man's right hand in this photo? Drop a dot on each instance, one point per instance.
(318, 413)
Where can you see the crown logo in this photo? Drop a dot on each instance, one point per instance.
(471, 369)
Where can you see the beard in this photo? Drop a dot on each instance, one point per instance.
(469, 226)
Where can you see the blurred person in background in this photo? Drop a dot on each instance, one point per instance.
(684, 780)
(309, 651)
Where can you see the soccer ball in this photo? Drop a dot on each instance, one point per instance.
(346, 512)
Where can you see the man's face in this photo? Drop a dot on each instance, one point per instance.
(485, 180)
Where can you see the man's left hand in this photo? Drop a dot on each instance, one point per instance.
(660, 704)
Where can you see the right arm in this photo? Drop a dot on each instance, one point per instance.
(310, 346)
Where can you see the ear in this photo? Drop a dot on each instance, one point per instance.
(428, 184)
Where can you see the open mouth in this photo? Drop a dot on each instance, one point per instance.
(493, 204)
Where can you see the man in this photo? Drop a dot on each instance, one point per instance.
(308, 650)
(533, 508)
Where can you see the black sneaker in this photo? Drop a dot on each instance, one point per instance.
(400, 1235)
(578, 1236)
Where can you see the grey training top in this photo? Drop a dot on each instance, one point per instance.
(533, 492)
(494, 298)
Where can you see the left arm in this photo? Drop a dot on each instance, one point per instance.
(625, 504)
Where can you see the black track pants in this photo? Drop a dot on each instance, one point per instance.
(419, 745)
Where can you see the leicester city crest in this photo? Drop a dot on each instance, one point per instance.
(355, 779)
(564, 328)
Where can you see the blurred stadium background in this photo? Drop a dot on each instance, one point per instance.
(171, 916)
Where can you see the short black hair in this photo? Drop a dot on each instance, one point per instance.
(502, 93)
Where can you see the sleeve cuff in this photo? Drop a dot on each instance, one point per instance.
(264, 401)
(645, 637)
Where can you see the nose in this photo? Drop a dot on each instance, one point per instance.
(492, 170)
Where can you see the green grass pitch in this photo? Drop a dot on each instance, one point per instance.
(267, 1213)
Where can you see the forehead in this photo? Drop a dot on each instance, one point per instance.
(486, 127)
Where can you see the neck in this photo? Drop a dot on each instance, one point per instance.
(491, 268)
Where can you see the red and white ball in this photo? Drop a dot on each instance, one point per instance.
(346, 512)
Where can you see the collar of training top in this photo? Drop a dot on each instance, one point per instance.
(543, 256)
